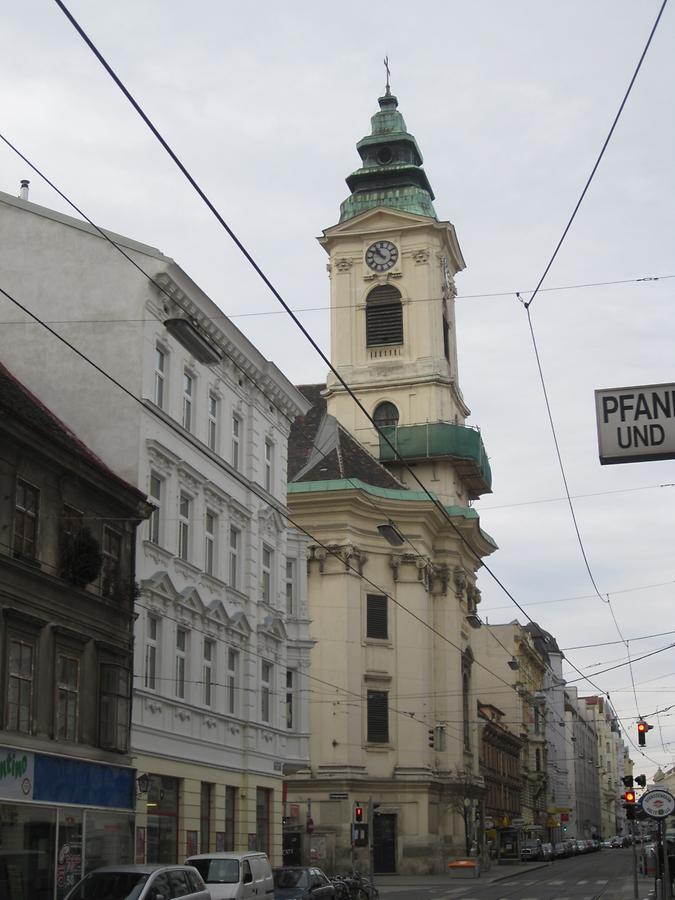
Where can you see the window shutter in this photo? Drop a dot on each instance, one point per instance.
(384, 316)
(376, 617)
(378, 717)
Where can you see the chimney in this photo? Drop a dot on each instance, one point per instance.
(23, 193)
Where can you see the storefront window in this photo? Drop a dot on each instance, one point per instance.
(162, 834)
(109, 839)
(27, 841)
(263, 804)
(69, 851)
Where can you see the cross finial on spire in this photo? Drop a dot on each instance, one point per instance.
(387, 92)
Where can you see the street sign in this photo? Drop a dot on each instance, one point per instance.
(338, 795)
(658, 804)
(636, 424)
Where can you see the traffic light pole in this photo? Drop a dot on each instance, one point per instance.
(635, 862)
(666, 863)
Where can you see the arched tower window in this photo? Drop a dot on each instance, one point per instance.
(384, 316)
(385, 414)
(446, 330)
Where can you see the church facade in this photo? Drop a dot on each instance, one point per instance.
(382, 471)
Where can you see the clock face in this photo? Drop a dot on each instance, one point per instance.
(381, 255)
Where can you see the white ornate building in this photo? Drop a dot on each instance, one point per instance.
(221, 651)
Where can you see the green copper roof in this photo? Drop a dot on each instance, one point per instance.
(392, 173)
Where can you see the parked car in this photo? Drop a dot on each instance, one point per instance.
(235, 876)
(148, 882)
(302, 881)
(547, 852)
(560, 850)
(531, 852)
(617, 841)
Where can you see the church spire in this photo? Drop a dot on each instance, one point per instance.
(392, 173)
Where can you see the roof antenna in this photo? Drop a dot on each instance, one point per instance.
(387, 92)
(23, 191)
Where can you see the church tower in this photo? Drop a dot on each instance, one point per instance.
(392, 267)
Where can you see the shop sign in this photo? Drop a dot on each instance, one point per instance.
(636, 423)
(17, 768)
(658, 804)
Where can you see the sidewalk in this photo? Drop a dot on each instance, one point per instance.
(494, 874)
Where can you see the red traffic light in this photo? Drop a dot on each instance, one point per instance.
(629, 796)
(643, 728)
(358, 814)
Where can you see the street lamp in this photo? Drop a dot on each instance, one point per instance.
(391, 534)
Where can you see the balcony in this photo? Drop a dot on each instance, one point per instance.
(442, 440)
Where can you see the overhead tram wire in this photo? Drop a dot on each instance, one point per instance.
(527, 304)
(183, 169)
(600, 155)
(275, 293)
(190, 438)
(308, 309)
(160, 287)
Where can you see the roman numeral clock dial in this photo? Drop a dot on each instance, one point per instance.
(381, 255)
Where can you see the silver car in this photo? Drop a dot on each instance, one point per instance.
(148, 882)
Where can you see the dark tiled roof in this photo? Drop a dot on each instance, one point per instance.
(320, 449)
(17, 402)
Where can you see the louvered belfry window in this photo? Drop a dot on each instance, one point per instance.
(376, 617)
(378, 717)
(384, 316)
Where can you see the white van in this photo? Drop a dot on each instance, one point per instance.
(235, 876)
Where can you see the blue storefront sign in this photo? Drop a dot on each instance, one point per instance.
(57, 779)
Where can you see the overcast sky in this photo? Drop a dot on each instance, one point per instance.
(510, 104)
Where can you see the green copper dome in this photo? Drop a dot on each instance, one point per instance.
(392, 173)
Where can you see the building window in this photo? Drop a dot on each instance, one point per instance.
(207, 671)
(232, 678)
(376, 617)
(20, 674)
(269, 465)
(160, 377)
(266, 574)
(26, 510)
(234, 557)
(385, 415)
(290, 587)
(154, 520)
(212, 432)
(384, 316)
(188, 394)
(446, 331)
(181, 661)
(184, 505)
(265, 690)
(114, 708)
(290, 692)
(537, 760)
(378, 717)
(205, 805)
(466, 719)
(230, 815)
(236, 442)
(111, 561)
(162, 821)
(263, 810)
(210, 543)
(151, 635)
(67, 697)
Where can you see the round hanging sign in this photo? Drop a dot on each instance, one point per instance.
(658, 804)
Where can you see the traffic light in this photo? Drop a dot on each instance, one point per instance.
(641, 781)
(358, 813)
(627, 781)
(431, 738)
(643, 728)
(629, 797)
